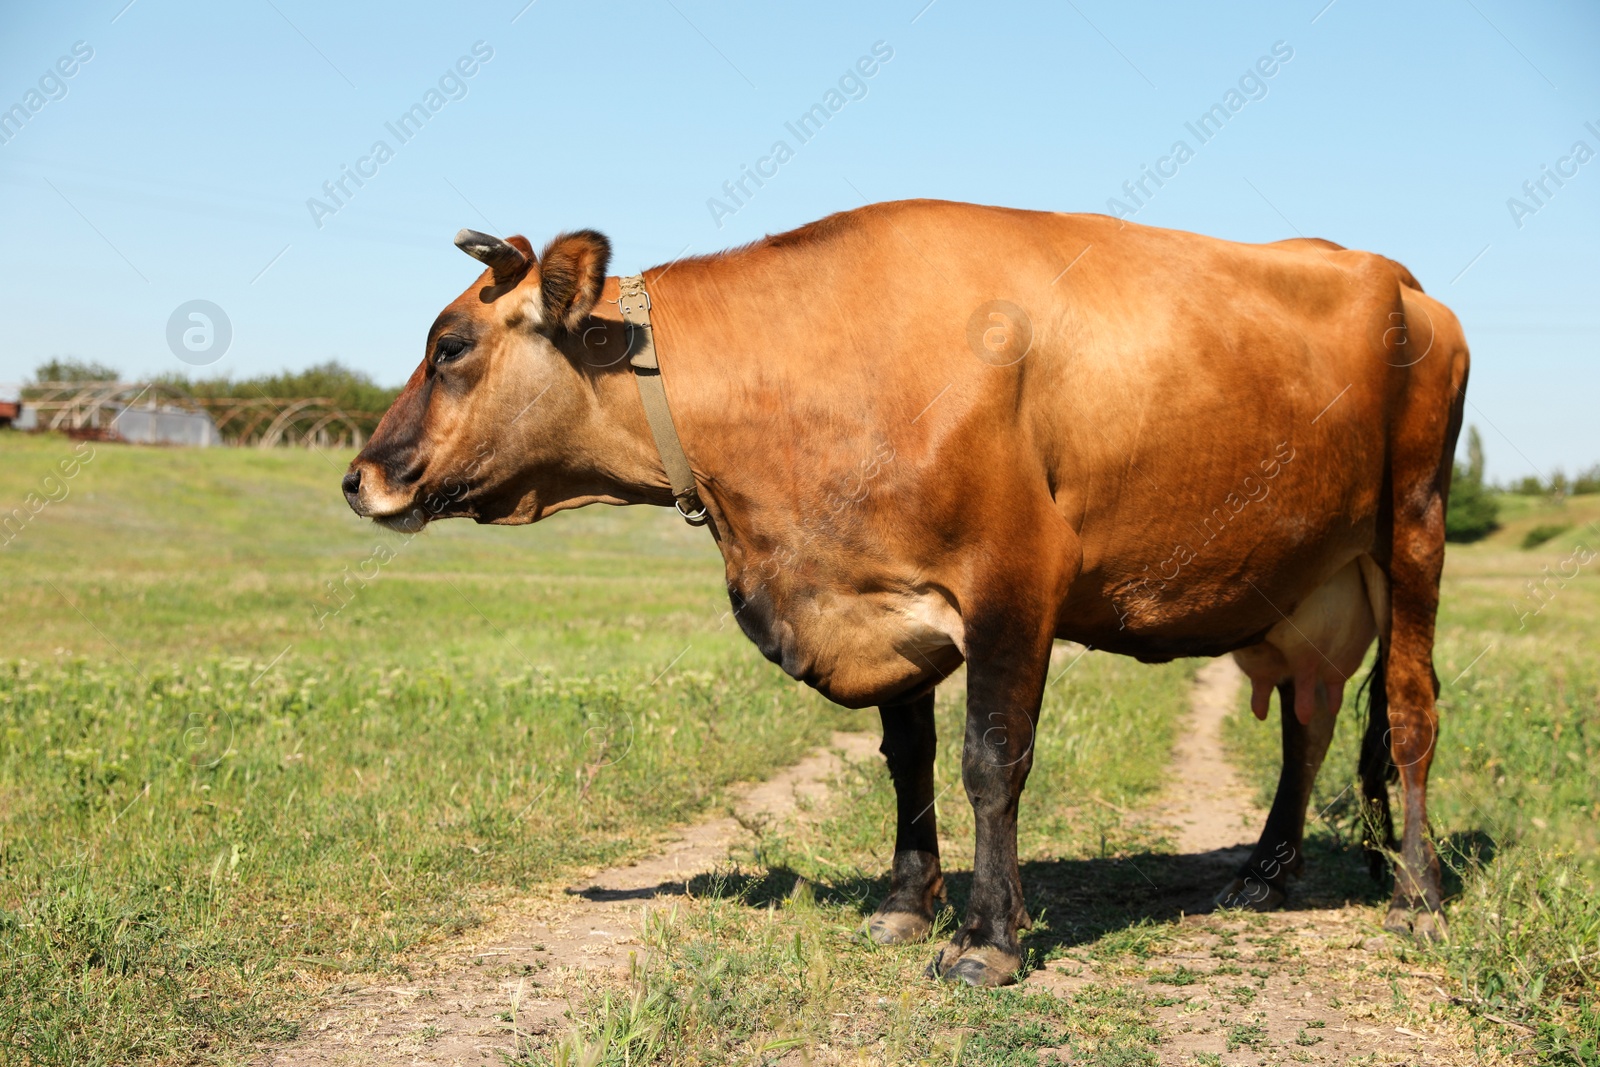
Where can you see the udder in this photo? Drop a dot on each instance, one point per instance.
(1321, 645)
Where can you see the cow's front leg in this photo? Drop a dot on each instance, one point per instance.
(1005, 683)
(915, 882)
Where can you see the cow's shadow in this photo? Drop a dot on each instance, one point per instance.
(1078, 901)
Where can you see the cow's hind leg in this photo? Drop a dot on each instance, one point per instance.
(1425, 429)
(1262, 883)
(1414, 730)
(915, 881)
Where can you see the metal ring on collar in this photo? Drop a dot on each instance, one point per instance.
(698, 517)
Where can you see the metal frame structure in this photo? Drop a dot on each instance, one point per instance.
(260, 422)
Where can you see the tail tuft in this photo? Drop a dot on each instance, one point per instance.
(1377, 769)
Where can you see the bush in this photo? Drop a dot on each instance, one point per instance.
(1558, 484)
(1542, 533)
(1474, 512)
(1587, 481)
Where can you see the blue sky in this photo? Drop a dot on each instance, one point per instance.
(177, 161)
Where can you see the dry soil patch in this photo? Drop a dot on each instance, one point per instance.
(466, 1004)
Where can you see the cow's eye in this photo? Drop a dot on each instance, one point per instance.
(449, 348)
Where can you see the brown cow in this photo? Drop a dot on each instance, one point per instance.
(929, 433)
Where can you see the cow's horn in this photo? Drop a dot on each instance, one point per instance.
(501, 257)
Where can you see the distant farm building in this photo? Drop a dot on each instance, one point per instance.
(154, 413)
(10, 404)
(163, 424)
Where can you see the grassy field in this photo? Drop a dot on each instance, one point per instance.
(1514, 796)
(768, 958)
(221, 780)
(251, 746)
(758, 965)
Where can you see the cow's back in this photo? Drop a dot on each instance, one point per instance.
(1189, 408)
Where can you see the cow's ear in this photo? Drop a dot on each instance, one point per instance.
(523, 245)
(572, 273)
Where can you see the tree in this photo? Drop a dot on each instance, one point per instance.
(1528, 485)
(72, 369)
(1474, 512)
(349, 389)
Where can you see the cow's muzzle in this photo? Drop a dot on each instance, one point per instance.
(371, 496)
(352, 489)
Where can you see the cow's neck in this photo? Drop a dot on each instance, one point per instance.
(621, 456)
(628, 459)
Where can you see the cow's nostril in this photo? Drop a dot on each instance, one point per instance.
(352, 483)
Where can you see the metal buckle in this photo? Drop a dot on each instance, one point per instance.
(698, 517)
(629, 301)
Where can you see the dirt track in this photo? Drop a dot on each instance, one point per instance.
(1316, 983)
(452, 1011)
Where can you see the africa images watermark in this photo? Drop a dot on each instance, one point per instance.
(341, 592)
(452, 85)
(52, 490)
(840, 496)
(1252, 86)
(52, 85)
(1539, 191)
(1538, 593)
(1140, 593)
(199, 332)
(852, 85)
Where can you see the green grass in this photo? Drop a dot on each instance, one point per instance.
(1513, 799)
(769, 958)
(157, 556)
(208, 803)
(211, 806)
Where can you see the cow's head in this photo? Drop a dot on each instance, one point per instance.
(492, 425)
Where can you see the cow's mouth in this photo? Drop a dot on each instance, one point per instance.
(404, 504)
(424, 508)
(410, 521)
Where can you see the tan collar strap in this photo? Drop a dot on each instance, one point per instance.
(635, 305)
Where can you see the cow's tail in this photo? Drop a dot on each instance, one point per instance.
(1376, 768)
